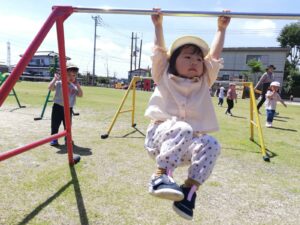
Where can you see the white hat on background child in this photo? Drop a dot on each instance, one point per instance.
(189, 40)
(232, 84)
(71, 66)
(275, 83)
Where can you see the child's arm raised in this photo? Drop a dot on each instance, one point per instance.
(80, 92)
(157, 20)
(218, 43)
(159, 57)
(51, 85)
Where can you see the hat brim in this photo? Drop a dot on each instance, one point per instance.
(185, 40)
(273, 67)
(73, 68)
(275, 84)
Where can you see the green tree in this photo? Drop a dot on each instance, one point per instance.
(290, 38)
(255, 68)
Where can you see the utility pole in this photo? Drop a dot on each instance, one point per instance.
(98, 21)
(141, 43)
(131, 53)
(8, 57)
(135, 50)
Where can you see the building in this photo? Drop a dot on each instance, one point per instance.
(138, 72)
(236, 59)
(3, 68)
(41, 63)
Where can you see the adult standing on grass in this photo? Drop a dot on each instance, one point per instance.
(74, 90)
(182, 114)
(265, 82)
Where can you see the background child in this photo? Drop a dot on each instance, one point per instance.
(272, 97)
(182, 114)
(57, 115)
(231, 95)
(221, 96)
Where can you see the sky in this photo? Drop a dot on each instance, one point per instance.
(21, 21)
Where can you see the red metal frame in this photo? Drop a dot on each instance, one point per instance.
(59, 15)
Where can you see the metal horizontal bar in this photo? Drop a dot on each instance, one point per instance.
(251, 121)
(124, 111)
(242, 15)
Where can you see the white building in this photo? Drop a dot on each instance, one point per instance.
(235, 61)
(41, 63)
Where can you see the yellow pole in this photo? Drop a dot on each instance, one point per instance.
(118, 111)
(260, 135)
(251, 117)
(135, 79)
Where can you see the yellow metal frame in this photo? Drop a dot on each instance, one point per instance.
(253, 113)
(132, 86)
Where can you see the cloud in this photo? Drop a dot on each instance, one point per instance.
(265, 28)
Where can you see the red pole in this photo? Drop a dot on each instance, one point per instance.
(65, 88)
(18, 70)
(16, 151)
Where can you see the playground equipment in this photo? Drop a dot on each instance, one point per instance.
(3, 77)
(58, 15)
(254, 116)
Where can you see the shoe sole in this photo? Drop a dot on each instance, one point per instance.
(169, 194)
(54, 144)
(182, 214)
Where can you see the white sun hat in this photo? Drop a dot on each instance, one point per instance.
(189, 40)
(72, 66)
(275, 83)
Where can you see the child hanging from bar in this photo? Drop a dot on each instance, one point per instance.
(182, 113)
(75, 90)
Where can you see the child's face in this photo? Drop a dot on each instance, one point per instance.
(189, 64)
(274, 88)
(72, 76)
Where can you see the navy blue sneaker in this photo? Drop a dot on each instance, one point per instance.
(54, 143)
(185, 207)
(165, 187)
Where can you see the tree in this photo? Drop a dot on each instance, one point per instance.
(255, 67)
(290, 38)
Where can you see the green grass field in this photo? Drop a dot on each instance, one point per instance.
(109, 185)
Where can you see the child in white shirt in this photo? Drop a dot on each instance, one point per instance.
(182, 114)
(272, 97)
(221, 96)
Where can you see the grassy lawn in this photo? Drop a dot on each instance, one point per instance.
(109, 185)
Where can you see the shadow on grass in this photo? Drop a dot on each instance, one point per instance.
(282, 117)
(279, 120)
(14, 109)
(76, 150)
(80, 203)
(136, 130)
(284, 129)
(240, 117)
(268, 151)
